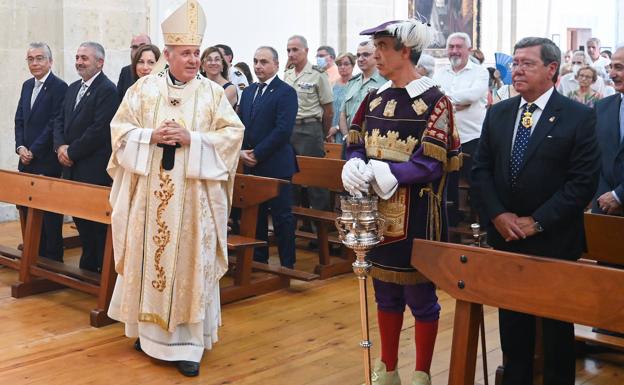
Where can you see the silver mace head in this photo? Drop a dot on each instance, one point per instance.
(360, 226)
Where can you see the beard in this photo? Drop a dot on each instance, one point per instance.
(455, 61)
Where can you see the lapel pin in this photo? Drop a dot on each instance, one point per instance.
(552, 119)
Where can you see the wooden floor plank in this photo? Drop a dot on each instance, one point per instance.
(306, 334)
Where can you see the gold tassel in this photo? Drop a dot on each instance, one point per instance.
(354, 137)
(434, 151)
(398, 277)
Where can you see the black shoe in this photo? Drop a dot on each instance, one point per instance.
(188, 368)
(137, 345)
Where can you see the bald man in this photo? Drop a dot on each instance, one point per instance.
(126, 79)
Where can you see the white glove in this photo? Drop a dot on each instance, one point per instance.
(383, 181)
(356, 177)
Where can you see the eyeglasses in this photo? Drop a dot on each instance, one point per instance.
(36, 59)
(525, 65)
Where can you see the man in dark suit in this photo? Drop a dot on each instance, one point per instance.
(535, 171)
(268, 110)
(40, 103)
(126, 79)
(610, 132)
(82, 140)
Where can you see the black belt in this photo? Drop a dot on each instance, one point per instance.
(307, 120)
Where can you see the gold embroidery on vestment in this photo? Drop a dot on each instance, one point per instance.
(394, 210)
(420, 107)
(389, 109)
(389, 146)
(163, 234)
(374, 103)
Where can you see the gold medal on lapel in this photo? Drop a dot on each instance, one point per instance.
(389, 109)
(419, 106)
(373, 104)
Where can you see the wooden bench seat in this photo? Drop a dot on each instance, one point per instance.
(323, 173)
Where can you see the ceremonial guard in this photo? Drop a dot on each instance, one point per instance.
(176, 143)
(402, 142)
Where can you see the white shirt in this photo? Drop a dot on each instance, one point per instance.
(469, 86)
(541, 105)
(238, 80)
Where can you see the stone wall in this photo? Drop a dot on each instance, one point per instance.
(63, 24)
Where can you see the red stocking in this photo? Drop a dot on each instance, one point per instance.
(390, 330)
(425, 335)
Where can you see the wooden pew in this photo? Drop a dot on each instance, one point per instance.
(323, 173)
(37, 274)
(249, 192)
(333, 150)
(604, 235)
(569, 291)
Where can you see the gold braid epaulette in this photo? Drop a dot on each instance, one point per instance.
(355, 136)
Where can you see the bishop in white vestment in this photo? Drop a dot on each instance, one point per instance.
(176, 143)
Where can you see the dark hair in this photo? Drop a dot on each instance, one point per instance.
(608, 52)
(330, 50)
(549, 52)
(226, 49)
(208, 51)
(414, 54)
(137, 57)
(244, 68)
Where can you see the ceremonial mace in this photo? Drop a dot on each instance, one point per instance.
(361, 228)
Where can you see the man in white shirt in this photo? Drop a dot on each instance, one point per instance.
(466, 84)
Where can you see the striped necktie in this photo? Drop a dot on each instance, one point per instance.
(81, 93)
(36, 90)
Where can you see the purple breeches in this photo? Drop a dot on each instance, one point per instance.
(421, 299)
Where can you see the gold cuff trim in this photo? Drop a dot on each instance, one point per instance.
(354, 137)
(434, 151)
(398, 277)
(454, 163)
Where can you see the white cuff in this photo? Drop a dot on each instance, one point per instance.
(616, 197)
(384, 182)
(204, 161)
(134, 155)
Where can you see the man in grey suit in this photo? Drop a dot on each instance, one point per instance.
(610, 132)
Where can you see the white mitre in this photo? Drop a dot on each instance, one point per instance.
(186, 25)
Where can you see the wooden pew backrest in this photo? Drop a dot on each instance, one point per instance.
(605, 238)
(319, 172)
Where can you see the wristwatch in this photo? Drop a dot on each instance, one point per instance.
(538, 227)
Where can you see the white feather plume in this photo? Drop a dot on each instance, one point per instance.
(412, 33)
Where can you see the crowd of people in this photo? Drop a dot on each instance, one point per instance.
(168, 139)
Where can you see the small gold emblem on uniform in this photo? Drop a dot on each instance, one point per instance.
(419, 106)
(373, 104)
(389, 109)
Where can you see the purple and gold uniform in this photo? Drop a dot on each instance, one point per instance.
(412, 130)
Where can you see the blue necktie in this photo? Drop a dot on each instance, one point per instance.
(521, 142)
(258, 96)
